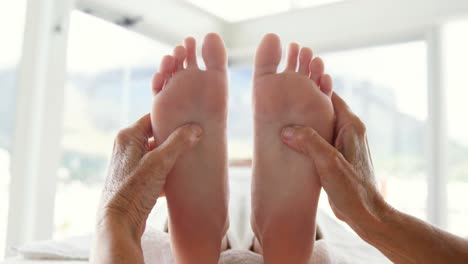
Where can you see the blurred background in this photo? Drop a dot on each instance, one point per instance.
(72, 73)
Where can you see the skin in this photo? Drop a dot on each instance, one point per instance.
(139, 169)
(137, 175)
(196, 188)
(347, 175)
(285, 189)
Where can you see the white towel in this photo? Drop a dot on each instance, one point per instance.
(338, 241)
(75, 248)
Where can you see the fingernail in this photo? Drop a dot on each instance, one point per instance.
(196, 132)
(288, 133)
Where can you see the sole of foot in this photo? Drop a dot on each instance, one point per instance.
(285, 187)
(196, 189)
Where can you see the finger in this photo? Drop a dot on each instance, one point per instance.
(142, 127)
(183, 138)
(339, 104)
(131, 144)
(308, 142)
(343, 112)
(351, 139)
(351, 142)
(330, 164)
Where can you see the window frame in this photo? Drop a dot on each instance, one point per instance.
(26, 223)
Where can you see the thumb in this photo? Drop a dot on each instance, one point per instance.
(331, 166)
(308, 142)
(179, 141)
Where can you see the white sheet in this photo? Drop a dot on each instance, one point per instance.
(339, 240)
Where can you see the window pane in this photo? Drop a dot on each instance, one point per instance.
(108, 88)
(240, 122)
(12, 17)
(387, 88)
(108, 82)
(456, 43)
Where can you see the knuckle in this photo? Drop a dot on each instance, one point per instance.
(332, 158)
(164, 160)
(358, 126)
(310, 133)
(123, 137)
(306, 136)
(180, 135)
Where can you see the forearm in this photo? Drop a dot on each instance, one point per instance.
(116, 243)
(406, 239)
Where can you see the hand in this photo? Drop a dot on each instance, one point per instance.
(347, 175)
(346, 171)
(137, 175)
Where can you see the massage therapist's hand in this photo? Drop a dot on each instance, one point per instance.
(345, 169)
(136, 178)
(347, 175)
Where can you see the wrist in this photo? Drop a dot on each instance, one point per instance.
(376, 220)
(115, 242)
(119, 225)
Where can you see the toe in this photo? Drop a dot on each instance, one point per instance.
(268, 55)
(179, 57)
(190, 47)
(304, 60)
(157, 83)
(167, 66)
(214, 52)
(316, 68)
(293, 52)
(326, 85)
(165, 71)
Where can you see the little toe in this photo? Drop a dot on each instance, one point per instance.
(293, 52)
(316, 68)
(268, 55)
(304, 60)
(167, 66)
(214, 53)
(190, 47)
(157, 82)
(326, 85)
(179, 57)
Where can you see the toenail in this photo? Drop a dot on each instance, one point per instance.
(288, 132)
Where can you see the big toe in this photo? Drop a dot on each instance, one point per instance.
(268, 55)
(214, 52)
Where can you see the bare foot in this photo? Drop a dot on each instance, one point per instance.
(196, 189)
(285, 188)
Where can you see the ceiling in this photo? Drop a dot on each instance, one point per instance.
(239, 10)
(327, 25)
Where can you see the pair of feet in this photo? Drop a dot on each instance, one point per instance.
(285, 189)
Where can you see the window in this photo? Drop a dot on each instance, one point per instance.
(388, 93)
(12, 16)
(240, 122)
(386, 87)
(456, 54)
(108, 88)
